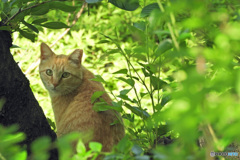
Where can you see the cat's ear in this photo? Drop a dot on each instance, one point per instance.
(76, 57)
(46, 51)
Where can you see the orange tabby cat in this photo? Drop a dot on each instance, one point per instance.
(70, 89)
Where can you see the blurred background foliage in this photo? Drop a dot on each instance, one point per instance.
(171, 68)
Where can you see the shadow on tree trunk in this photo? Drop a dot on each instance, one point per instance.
(21, 107)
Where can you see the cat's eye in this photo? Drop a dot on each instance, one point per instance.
(65, 75)
(49, 72)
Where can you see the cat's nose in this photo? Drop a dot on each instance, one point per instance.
(55, 85)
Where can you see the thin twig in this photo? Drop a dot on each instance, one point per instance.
(36, 63)
(73, 23)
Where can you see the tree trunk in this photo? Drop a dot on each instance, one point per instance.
(21, 107)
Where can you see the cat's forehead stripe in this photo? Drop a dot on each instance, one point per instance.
(60, 60)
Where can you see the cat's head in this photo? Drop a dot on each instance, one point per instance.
(60, 74)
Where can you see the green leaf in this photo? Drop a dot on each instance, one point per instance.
(55, 25)
(129, 117)
(112, 51)
(14, 46)
(164, 46)
(22, 155)
(28, 35)
(129, 5)
(51, 123)
(6, 28)
(14, 11)
(137, 150)
(39, 21)
(93, 1)
(124, 145)
(146, 11)
(128, 81)
(96, 95)
(140, 25)
(62, 6)
(183, 36)
(124, 97)
(131, 131)
(114, 122)
(144, 157)
(103, 41)
(30, 26)
(121, 71)
(125, 91)
(41, 144)
(81, 149)
(95, 146)
(40, 10)
(98, 78)
(103, 106)
(137, 111)
(157, 83)
(143, 94)
(165, 100)
(13, 138)
(162, 130)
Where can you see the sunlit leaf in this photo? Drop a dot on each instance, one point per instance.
(121, 71)
(143, 94)
(96, 95)
(103, 106)
(98, 78)
(128, 81)
(81, 149)
(20, 156)
(95, 146)
(125, 91)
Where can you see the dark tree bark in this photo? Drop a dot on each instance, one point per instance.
(21, 107)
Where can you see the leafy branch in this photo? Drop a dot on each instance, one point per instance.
(22, 10)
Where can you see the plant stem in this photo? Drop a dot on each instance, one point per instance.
(1, 157)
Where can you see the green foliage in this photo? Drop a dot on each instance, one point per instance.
(129, 5)
(8, 144)
(172, 68)
(21, 16)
